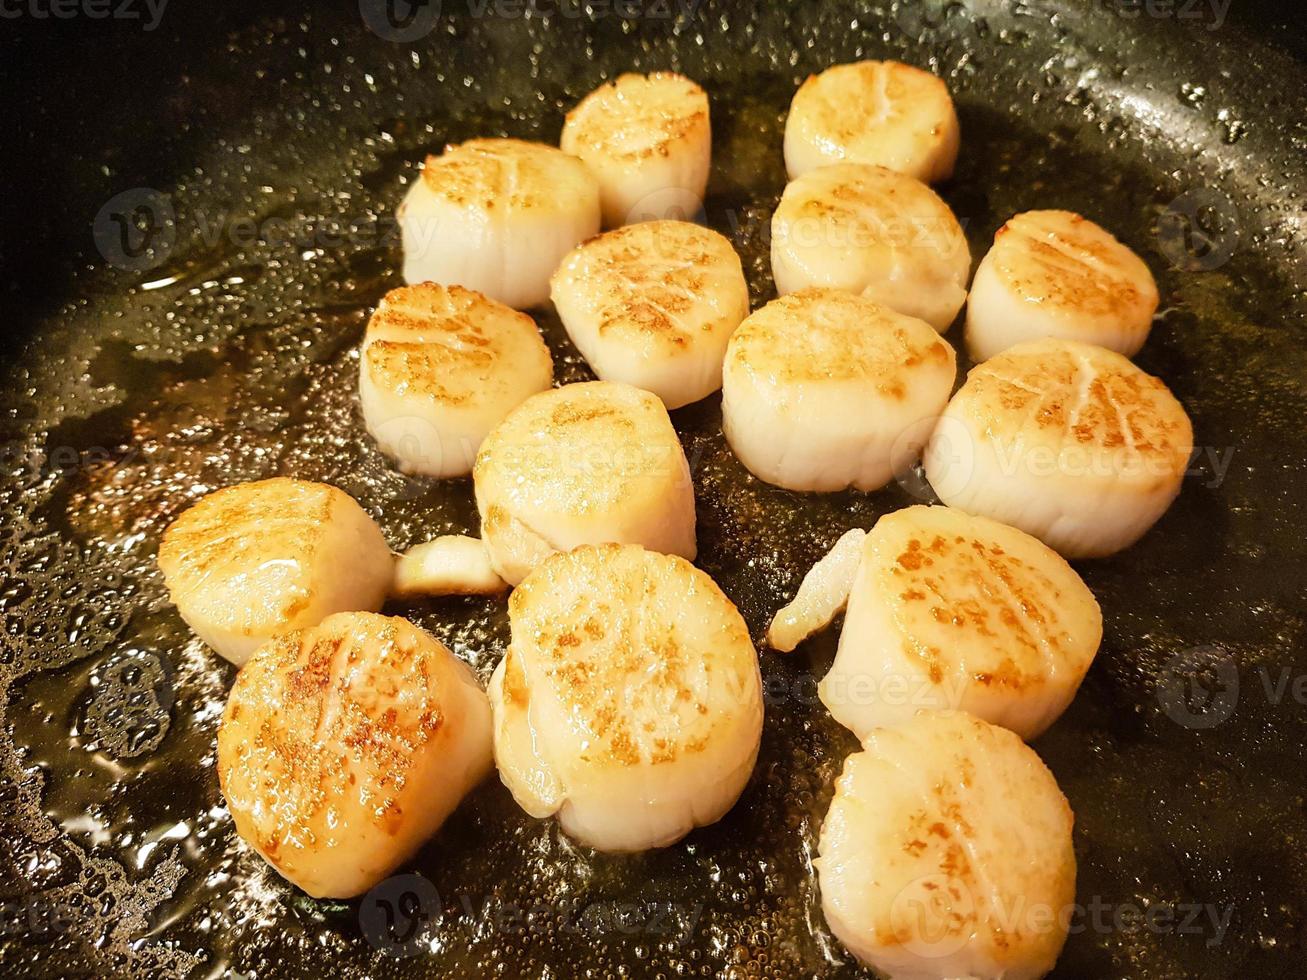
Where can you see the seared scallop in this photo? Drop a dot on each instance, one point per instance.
(629, 702)
(824, 390)
(881, 112)
(649, 141)
(1069, 442)
(947, 853)
(253, 560)
(1056, 274)
(439, 367)
(874, 232)
(345, 746)
(653, 305)
(583, 464)
(497, 215)
(949, 610)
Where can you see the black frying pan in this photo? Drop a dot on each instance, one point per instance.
(197, 222)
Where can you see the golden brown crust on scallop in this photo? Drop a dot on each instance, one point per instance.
(444, 342)
(958, 585)
(232, 531)
(620, 634)
(895, 92)
(641, 281)
(823, 335)
(1062, 391)
(636, 117)
(944, 848)
(503, 175)
(863, 208)
(1065, 262)
(874, 112)
(354, 699)
(582, 448)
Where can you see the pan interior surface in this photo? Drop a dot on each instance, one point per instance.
(269, 170)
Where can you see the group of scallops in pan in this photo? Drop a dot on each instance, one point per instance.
(629, 702)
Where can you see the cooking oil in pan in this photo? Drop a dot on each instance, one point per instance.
(235, 359)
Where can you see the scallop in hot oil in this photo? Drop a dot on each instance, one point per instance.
(648, 140)
(497, 216)
(823, 390)
(874, 232)
(653, 305)
(880, 112)
(950, 610)
(253, 560)
(586, 463)
(946, 852)
(440, 366)
(343, 747)
(1067, 441)
(629, 703)
(1056, 274)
